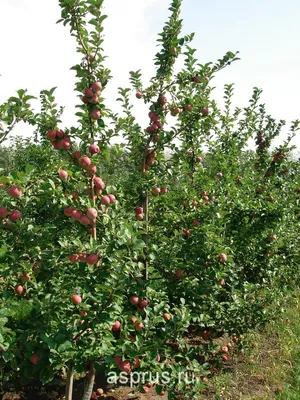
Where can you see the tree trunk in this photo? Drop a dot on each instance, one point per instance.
(69, 384)
(146, 236)
(89, 383)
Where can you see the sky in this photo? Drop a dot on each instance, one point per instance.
(36, 53)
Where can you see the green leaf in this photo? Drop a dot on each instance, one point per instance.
(100, 123)
(64, 346)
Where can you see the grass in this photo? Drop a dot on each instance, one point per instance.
(269, 365)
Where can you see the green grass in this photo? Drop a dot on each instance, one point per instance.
(269, 365)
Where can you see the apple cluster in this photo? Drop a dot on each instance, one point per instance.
(59, 139)
(84, 218)
(156, 191)
(14, 215)
(91, 96)
(85, 162)
(90, 259)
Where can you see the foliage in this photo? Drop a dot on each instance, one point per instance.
(212, 240)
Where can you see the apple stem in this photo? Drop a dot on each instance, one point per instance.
(69, 383)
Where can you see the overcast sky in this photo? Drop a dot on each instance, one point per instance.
(37, 54)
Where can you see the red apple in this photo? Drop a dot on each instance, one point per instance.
(15, 215)
(19, 289)
(88, 93)
(117, 359)
(34, 359)
(63, 174)
(99, 183)
(85, 99)
(3, 212)
(143, 303)
(224, 349)
(222, 282)
(76, 215)
(164, 190)
(112, 198)
(167, 316)
(25, 277)
(77, 154)
(137, 362)
(155, 191)
(74, 257)
(82, 257)
(14, 191)
(155, 138)
(133, 320)
(51, 135)
(219, 175)
(196, 79)
(92, 213)
(94, 149)
(95, 114)
(138, 210)
(175, 111)
(96, 87)
(187, 232)
(204, 111)
(139, 217)
(84, 220)
(57, 145)
(223, 257)
(60, 133)
(139, 95)
(92, 259)
(134, 300)
(196, 223)
(100, 391)
(66, 143)
(76, 299)
(85, 161)
(116, 326)
(152, 128)
(178, 273)
(225, 358)
(159, 124)
(188, 107)
(163, 99)
(140, 326)
(125, 366)
(105, 200)
(92, 169)
(153, 116)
